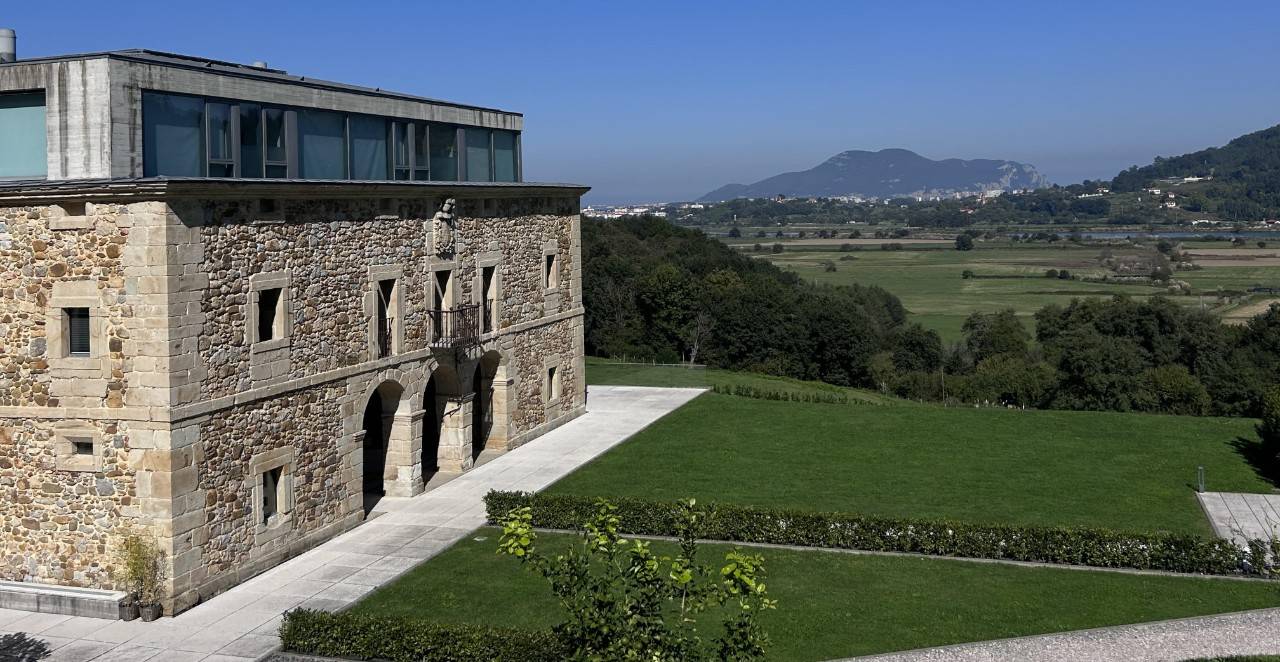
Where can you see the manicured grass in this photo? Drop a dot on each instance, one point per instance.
(1120, 471)
(834, 605)
(605, 372)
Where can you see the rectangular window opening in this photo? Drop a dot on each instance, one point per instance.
(82, 447)
(386, 320)
(269, 315)
(551, 276)
(489, 299)
(553, 385)
(79, 341)
(271, 494)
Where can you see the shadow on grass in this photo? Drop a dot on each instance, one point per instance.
(21, 647)
(1260, 457)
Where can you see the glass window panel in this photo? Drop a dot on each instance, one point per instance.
(443, 143)
(277, 171)
(421, 154)
(22, 136)
(322, 144)
(172, 135)
(504, 156)
(219, 118)
(276, 136)
(250, 140)
(478, 155)
(368, 147)
(400, 137)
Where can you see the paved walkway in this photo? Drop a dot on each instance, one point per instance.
(1241, 633)
(240, 625)
(1242, 517)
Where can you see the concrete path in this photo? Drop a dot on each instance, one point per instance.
(241, 624)
(1241, 633)
(1242, 517)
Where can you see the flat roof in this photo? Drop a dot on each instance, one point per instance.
(224, 68)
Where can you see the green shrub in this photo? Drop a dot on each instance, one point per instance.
(364, 637)
(1270, 428)
(746, 391)
(1072, 546)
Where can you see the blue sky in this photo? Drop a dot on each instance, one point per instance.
(664, 100)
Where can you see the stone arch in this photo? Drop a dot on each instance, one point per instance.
(383, 429)
(447, 404)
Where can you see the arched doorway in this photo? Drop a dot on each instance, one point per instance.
(481, 411)
(379, 415)
(432, 417)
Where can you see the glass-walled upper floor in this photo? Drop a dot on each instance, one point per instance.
(22, 136)
(189, 136)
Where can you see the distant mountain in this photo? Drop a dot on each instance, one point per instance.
(888, 173)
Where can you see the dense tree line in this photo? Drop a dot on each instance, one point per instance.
(1103, 354)
(656, 291)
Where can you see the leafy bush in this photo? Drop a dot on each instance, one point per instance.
(1072, 546)
(1269, 430)
(623, 602)
(365, 637)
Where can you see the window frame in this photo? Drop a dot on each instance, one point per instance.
(419, 132)
(43, 93)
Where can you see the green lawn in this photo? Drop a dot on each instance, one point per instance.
(604, 371)
(1122, 471)
(835, 605)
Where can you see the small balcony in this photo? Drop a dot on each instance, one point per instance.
(458, 327)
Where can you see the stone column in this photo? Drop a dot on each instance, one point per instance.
(403, 474)
(455, 434)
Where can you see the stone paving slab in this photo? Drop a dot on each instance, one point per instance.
(1240, 633)
(241, 624)
(1242, 517)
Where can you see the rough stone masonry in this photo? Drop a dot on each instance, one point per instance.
(263, 358)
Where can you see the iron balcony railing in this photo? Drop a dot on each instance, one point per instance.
(455, 328)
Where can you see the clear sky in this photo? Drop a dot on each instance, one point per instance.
(656, 100)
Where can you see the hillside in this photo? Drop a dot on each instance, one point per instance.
(1245, 173)
(888, 173)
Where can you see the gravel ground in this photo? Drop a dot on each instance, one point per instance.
(1242, 633)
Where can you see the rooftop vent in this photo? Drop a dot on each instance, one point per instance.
(259, 64)
(8, 45)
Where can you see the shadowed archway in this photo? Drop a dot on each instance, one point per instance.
(379, 415)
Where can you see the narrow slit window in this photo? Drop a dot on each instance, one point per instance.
(269, 314)
(270, 494)
(489, 286)
(386, 319)
(553, 385)
(551, 276)
(79, 340)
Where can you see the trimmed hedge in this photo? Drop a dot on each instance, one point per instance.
(1072, 546)
(745, 391)
(363, 637)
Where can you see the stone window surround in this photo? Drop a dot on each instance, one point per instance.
(259, 464)
(484, 261)
(64, 447)
(377, 274)
(284, 308)
(72, 216)
(552, 282)
(434, 267)
(75, 294)
(551, 391)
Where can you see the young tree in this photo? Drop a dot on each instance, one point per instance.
(623, 602)
(992, 334)
(964, 242)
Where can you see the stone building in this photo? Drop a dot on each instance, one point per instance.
(238, 305)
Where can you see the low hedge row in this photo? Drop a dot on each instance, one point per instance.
(364, 637)
(1073, 546)
(745, 391)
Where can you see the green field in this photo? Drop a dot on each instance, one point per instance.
(835, 605)
(928, 278)
(1121, 471)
